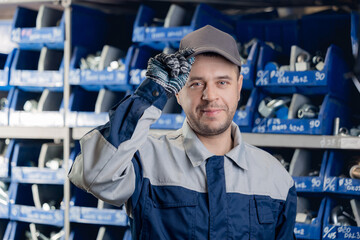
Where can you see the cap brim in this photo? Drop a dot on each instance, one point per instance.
(200, 50)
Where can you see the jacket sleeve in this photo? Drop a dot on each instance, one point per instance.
(104, 166)
(286, 221)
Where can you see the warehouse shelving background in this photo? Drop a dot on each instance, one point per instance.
(79, 209)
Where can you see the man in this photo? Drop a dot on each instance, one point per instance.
(202, 181)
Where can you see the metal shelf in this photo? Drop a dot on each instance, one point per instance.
(277, 140)
(33, 132)
(16, 2)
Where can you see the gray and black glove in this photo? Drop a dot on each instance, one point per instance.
(170, 70)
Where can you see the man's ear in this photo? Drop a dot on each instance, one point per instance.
(240, 82)
(178, 98)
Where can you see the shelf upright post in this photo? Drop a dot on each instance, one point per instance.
(67, 137)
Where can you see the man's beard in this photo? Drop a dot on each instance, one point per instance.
(205, 130)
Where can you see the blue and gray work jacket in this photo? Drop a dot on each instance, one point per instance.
(165, 184)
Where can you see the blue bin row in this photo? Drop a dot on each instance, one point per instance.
(32, 29)
(323, 218)
(16, 230)
(282, 32)
(89, 108)
(321, 171)
(315, 217)
(43, 204)
(22, 68)
(29, 161)
(35, 193)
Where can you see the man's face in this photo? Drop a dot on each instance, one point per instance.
(210, 95)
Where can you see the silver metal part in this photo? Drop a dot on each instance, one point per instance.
(31, 105)
(355, 171)
(308, 111)
(3, 103)
(268, 106)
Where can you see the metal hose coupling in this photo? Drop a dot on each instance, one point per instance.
(308, 111)
(268, 106)
(340, 216)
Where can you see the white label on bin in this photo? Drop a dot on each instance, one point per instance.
(319, 76)
(300, 231)
(328, 234)
(329, 183)
(315, 182)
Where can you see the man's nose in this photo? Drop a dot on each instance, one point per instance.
(209, 93)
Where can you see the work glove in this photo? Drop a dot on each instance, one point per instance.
(171, 70)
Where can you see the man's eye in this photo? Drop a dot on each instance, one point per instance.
(222, 82)
(196, 84)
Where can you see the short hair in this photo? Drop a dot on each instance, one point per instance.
(214, 54)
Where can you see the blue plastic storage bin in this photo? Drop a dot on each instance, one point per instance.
(338, 232)
(6, 95)
(95, 232)
(84, 209)
(4, 224)
(5, 64)
(30, 163)
(25, 70)
(244, 116)
(90, 108)
(311, 230)
(117, 80)
(322, 125)
(4, 206)
(278, 31)
(5, 166)
(203, 15)
(25, 32)
(331, 80)
(320, 30)
(305, 161)
(248, 69)
(17, 230)
(23, 207)
(338, 164)
(172, 116)
(36, 108)
(355, 31)
(140, 57)
(86, 23)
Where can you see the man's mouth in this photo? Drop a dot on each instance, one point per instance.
(211, 111)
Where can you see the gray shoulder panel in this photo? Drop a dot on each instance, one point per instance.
(265, 175)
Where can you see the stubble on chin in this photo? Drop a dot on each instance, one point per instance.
(205, 130)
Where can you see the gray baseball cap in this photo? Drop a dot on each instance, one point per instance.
(210, 39)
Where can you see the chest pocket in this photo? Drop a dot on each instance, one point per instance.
(263, 217)
(169, 213)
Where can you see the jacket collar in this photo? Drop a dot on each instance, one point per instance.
(198, 153)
